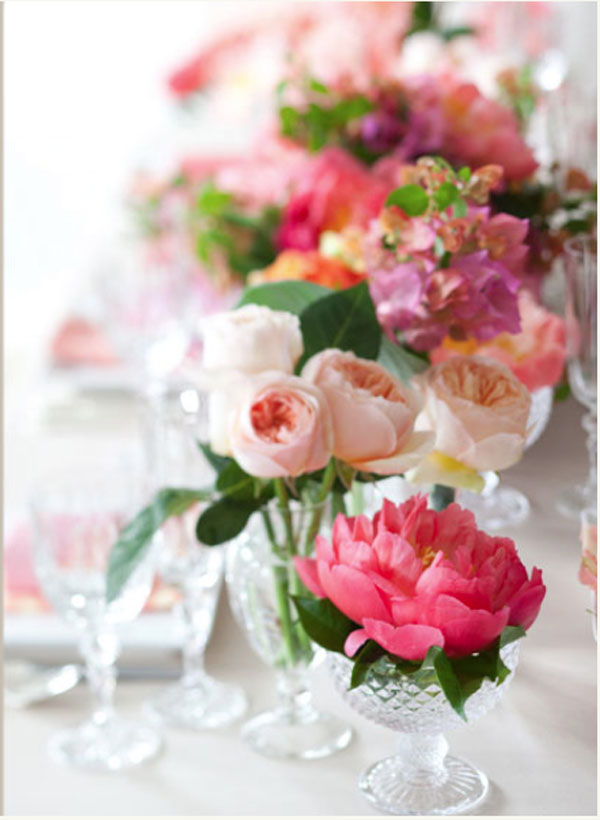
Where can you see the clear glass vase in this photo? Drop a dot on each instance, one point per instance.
(498, 506)
(421, 778)
(260, 578)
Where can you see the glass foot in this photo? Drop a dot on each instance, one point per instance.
(208, 705)
(108, 747)
(278, 734)
(571, 502)
(459, 788)
(504, 507)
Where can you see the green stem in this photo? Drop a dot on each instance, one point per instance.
(441, 496)
(284, 504)
(281, 594)
(326, 485)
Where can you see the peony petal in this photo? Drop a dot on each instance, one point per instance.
(353, 593)
(307, 570)
(525, 605)
(354, 641)
(410, 642)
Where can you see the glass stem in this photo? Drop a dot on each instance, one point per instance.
(295, 699)
(198, 616)
(423, 758)
(100, 648)
(588, 423)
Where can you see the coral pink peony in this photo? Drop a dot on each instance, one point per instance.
(373, 413)
(280, 427)
(536, 355)
(335, 192)
(413, 578)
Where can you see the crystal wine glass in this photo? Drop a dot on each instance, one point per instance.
(581, 267)
(76, 522)
(197, 700)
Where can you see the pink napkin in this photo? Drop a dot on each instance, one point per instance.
(79, 342)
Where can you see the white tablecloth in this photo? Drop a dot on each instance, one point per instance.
(538, 747)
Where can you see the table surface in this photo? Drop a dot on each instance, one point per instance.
(538, 746)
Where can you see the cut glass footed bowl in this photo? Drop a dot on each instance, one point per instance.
(421, 778)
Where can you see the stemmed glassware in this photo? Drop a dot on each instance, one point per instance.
(260, 576)
(197, 700)
(421, 778)
(581, 267)
(497, 506)
(76, 522)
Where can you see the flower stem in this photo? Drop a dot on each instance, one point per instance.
(441, 496)
(281, 594)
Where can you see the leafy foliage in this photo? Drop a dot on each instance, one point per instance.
(136, 536)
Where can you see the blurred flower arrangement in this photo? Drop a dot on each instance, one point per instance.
(347, 128)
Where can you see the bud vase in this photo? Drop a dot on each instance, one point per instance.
(421, 778)
(260, 578)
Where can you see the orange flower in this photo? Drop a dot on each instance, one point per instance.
(308, 266)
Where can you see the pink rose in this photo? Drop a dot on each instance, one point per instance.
(280, 427)
(413, 578)
(478, 410)
(373, 413)
(536, 355)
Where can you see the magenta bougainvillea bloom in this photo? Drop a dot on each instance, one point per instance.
(413, 578)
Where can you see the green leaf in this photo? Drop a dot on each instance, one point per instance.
(464, 173)
(351, 109)
(343, 319)
(218, 463)
(411, 198)
(322, 622)
(288, 118)
(445, 195)
(510, 634)
(367, 655)
(449, 683)
(135, 537)
(224, 519)
(399, 361)
(562, 391)
(211, 201)
(448, 34)
(293, 297)
(316, 85)
(459, 209)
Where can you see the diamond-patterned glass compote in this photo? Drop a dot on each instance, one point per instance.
(421, 778)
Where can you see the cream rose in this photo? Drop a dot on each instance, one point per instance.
(280, 427)
(478, 410)
(237, 344)
(373, 413)
(251, 339)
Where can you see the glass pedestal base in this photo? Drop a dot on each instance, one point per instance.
(571, 502)
(109, 747)
(309, 737)
(460, 788)
(503, 507)
(209, 705)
